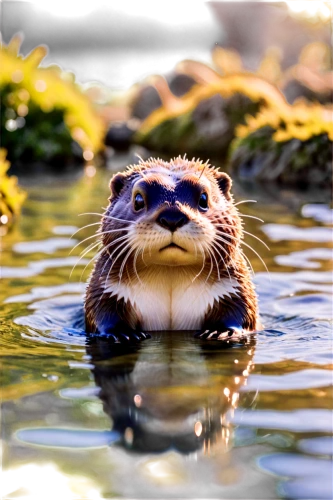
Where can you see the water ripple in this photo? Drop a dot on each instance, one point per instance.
(302, 379)
(67, 438)
(48, 246)
(319, 212)
(307, 420)
(310, 477)
(281, 232)
(38, 267)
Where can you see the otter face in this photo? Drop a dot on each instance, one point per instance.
(171, 214)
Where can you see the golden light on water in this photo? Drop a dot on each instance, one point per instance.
(198, 428)
(129, 435)
(234, 399)
(137, 400)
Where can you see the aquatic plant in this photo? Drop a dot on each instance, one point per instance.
(45, 117)
(203, 120)
(11, 196)
(292, 145)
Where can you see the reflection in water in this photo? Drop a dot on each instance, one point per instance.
(172, 392)
(173, 398)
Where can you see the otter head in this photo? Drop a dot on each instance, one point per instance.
(177, 213)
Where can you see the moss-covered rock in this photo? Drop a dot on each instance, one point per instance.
(48, 124)
(11, 196)
(285, 153)
(204, 120)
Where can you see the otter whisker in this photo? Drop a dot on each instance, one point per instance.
(142, 253)
(103, 249)
(224, 224)
(122, 267)
(124, 240)
(90, 247)
(217, 265)
(113, 242)
(97, 235)
(84, 227)
(244, 201)
(203, 170)
(107, 217)
(220, 237)
(248, 261)
(256, 237)
(251, 217)
(127, 245)
(211, 265)
(90, 261)
(249, 246)
(230, 244)
(83, 254)
(124, 263)
(246, 232)
(203, 262)
(226, 267)
(134, 265)
(224, 250)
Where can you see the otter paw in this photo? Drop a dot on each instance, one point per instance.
(228, 334)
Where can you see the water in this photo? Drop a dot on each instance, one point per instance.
(173, 417)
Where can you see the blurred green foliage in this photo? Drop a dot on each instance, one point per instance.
(11, 196)
(45, 117)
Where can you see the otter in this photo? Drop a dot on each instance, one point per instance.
(171, 256)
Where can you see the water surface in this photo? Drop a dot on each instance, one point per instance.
(173, 417)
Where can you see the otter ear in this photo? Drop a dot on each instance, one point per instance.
(117, 183)
(224, 183)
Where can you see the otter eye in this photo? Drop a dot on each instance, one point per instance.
(203, 201)
(139, 202)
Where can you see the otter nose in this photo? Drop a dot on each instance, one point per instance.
(172, 219)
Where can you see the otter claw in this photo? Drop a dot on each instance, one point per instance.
(117, 337)
(200, 335)
(235, 333)
(145, 335)
(123, 337)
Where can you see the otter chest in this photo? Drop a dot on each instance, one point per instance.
(173, 304)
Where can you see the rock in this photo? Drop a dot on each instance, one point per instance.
(285, 153)
(203, 121)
